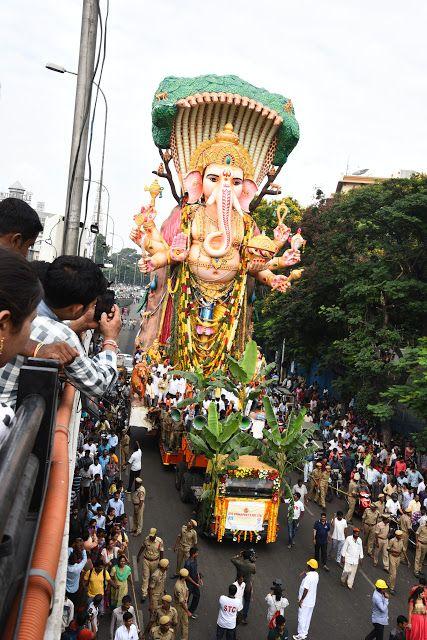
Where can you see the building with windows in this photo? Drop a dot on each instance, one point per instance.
(16, 190)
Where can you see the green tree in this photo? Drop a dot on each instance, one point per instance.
(101, 249)
(410, 388)
(362, 298)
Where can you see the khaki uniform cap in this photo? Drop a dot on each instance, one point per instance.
(183, 573)
(194, 523)
(167, 598)
(164, 620)
(164, 563)
(152, 531)
(398, 532)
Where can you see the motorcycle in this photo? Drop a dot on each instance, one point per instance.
(363, 502)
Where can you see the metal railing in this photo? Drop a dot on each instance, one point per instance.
(24, 466)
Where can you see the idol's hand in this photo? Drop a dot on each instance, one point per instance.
(179, 247)
(280, 283)
(289, 258)
(145, 265)
(281, 234)
(136, 236)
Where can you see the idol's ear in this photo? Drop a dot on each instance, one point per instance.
(193, 185)
(249, 189)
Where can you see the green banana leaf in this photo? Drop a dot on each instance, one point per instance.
(249, 359)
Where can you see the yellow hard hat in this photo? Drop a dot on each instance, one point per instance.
(381, 584)
(313, 563)
(164, 620)
(152, 531)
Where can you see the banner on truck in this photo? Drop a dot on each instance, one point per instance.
(245, 515)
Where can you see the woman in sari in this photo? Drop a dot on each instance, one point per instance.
(417, 615)
(120, 575)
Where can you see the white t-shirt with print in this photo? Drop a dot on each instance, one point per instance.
(228, 609)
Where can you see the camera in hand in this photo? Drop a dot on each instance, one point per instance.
(104, 304)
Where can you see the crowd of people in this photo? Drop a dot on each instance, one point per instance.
(45, 311)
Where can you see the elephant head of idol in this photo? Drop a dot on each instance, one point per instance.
(221, 170)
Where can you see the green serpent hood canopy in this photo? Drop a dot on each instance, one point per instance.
(188, 111)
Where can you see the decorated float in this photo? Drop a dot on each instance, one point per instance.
(222, 143)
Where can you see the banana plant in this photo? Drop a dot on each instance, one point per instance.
(235, 379)
(285, 450)
(222, 441)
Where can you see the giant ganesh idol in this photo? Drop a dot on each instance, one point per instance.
(225, 138)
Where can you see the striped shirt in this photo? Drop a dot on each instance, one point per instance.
(92, 376)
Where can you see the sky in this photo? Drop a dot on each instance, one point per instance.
(355, 72)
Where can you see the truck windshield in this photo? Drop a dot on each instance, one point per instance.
(248, 487)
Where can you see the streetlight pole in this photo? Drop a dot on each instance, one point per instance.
(80, 126)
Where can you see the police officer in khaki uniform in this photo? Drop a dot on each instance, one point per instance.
(162, 631)
(152, 551)
(323, 485)
(381, 541)
(138, 500)
(180, 598)
(420, 548)
(381, 504)
(124, 447)
(185, 540)
(370, 519)
(156, 586)
(352, 496)
(166, 609)
(315, 482)
(167, 426)
(395, 548)
(405, 525)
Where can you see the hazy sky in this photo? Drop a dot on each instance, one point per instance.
(355, 71)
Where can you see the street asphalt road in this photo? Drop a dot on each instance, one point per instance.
(338, 614)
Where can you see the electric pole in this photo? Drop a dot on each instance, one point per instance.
(80, 127)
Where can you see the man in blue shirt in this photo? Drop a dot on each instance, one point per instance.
(320, 539)
(380, 604)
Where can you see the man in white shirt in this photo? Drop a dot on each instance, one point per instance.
(95, 468)
(392, 506)
(338, 527)
(300, 488)
(91, 447)
(351, 555)
(307, 599)
(229, 607)
(173, 386)
(128, 630)
(240, 585)
(135, 462)
(297, 513)
(118, 613)
(421, 487)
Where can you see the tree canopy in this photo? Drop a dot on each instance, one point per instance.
(362, 298)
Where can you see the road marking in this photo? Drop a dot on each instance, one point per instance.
(309, 510)
(135, 568)
(366, 577)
